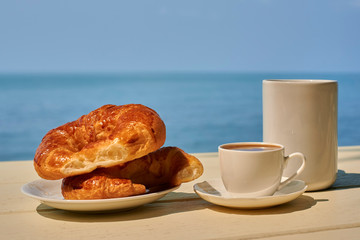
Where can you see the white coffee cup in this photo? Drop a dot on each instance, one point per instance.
(301, 114)
(254, 169)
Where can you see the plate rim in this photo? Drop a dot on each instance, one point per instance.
(83, 203)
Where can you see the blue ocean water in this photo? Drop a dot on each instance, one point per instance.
(200, 110)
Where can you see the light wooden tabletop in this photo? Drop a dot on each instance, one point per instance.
(330, 214)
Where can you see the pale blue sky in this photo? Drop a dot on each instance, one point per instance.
(116, 36)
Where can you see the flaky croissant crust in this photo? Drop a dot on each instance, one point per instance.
(85, 187)
(168, 166)
(107, 136)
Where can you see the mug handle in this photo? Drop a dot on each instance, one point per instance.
(299, 170)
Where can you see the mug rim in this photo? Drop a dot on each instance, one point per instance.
(301, 81)
(280, 147)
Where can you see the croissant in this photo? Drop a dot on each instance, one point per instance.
(168, 166)
(108, 136)
(88, 186)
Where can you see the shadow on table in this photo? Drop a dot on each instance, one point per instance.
(172, 203)
(301, 203)
(345, 181)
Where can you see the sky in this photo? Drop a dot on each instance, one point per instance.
(187, 35)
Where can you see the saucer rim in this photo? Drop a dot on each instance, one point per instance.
(249, 202)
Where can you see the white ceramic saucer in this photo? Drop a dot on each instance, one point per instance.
(49, 193)
(214, 191)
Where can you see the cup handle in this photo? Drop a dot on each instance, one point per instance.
(299, 170)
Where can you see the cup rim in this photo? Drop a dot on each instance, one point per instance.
(301, 81)
(280, 147)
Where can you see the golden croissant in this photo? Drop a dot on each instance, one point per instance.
(105, 137)
(168, 166)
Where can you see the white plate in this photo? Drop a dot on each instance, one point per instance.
(214, 191)
(49, 193)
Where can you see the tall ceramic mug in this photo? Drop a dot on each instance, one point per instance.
(301, 114)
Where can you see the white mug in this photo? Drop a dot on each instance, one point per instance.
(254, 169)
(302, 115)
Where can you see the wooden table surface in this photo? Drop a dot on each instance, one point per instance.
(330, 214)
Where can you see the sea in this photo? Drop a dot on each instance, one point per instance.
(201, 110)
